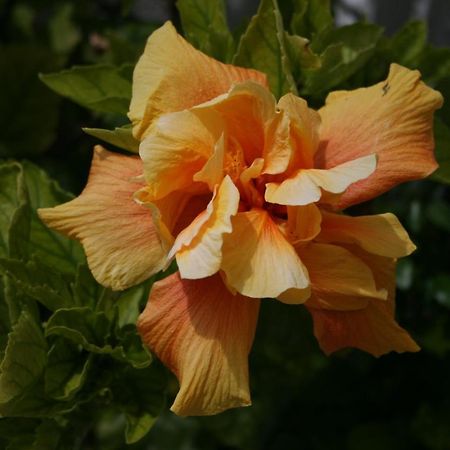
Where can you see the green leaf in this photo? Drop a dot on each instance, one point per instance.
(86, 290)
(82, 326)
(121, 137)
(103, 88)
(435, 64)
(205, 26)
(442, 151)
(53, 249)
(141, 394)
(14, 213)
(25, 358)
(262, 47)
(408, 44)
(48, 436)
(438, 213)
(311, 17)
(39, 282)
(28, 111)
(66, 370)
(300, 55)
(342, 52)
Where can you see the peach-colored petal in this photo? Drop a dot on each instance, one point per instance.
(203, 334)
(213, 170)
(393, 119)
(258, 260)
(304, 129)
(305, 186)
(373, 328)
(381, 234)
(244, 110)
(278, 149)
(171, 75)
(177, 147)
(198, 248)
(249, 191)
(122, 245)
(333, 271)
(303, 223)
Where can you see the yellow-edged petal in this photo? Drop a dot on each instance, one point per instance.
(121, 243)
(372, 329)
(244, 110)
(171, 75)
(393, 119)
(258, 260)
(339, 280)
(304, 130)
(303, 223)
(381, 234)
(305, 186)
(177, 147)
(198, 248)
(203, 334)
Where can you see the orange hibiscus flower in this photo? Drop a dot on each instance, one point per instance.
(246, 194)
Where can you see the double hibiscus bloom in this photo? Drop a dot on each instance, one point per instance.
(246, 194)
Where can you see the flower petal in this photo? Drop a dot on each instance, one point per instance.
(258, 260)
(372, 329)
(303, 223)
(171, 75)
(304, 187)
(244, 110)
(304, 128)
(334, 270)
(198, 248)
(122, 245)
(177, 147)
(203, 334)
(393, 119)
(381, 234)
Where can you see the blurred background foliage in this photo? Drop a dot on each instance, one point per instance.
(74, 375)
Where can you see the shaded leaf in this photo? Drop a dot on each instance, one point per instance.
(407, 45)
(66, 370)
(205, 26)
(311, 17)
(262, 47)
(121, 137)
(342, 52)
(442, 151)
(103, 88)
(25, 358)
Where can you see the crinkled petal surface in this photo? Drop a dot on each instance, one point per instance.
(198, 248)
(305, 186)
(171, 75)
(121, 243)
(393, 119)
(258, 260)
(177, 147)
(380, 234)
(372, 329)
(203, 334)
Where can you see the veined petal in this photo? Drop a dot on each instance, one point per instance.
(245, 109)
(305, 186)
(171, 75)
(258, 260)
(303, 223)
(177, 147)
(304, 130)
(381, 234)
(393, 119)
(213, 171)
(122, 245)
(203, 333)
(278, 148)
(372, 329)
(334, 270)
(198, 248)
